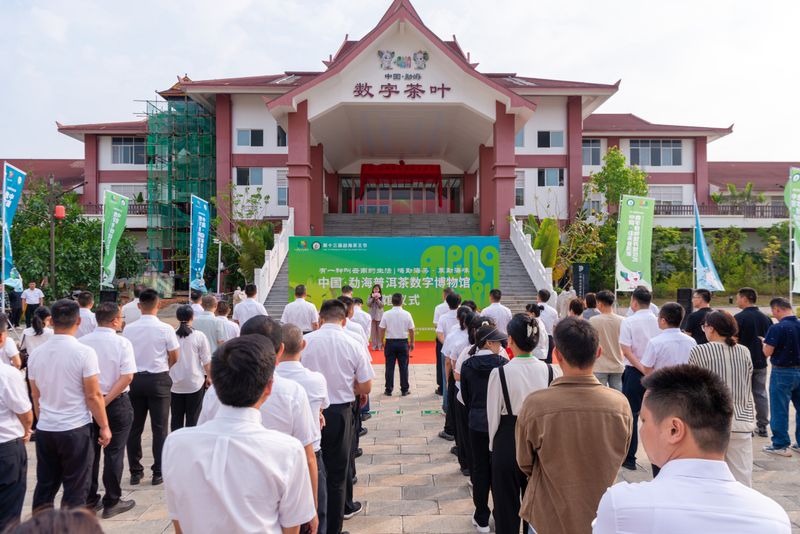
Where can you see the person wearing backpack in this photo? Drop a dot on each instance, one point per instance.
(509, 386)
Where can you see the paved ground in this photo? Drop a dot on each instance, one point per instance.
(408, 480)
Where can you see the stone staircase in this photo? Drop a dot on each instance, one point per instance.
(517, 288)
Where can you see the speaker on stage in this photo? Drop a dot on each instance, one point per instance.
(685, 298)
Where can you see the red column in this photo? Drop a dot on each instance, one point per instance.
(574, 156)
(90, 169)
(224, 126)
(469, 189)
(504, 169)
(701, 189)
(486, 199)
(317, 177)
(332, 190)
(299, 175)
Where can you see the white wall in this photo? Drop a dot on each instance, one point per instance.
(250, 112)
(270, 188)
(543, 201)
(588, 169)
(550, 115)
(104, 156)
(687, 156)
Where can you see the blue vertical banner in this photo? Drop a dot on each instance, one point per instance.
(705, 273)
(13, 184)
(201, 217)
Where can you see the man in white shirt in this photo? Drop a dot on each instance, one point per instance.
(64, 378)
(117, 366)
(447, 321)
(397, 329)
(88, 321)
(207, 323)
(130, 311)
(300, 312)
(438, 311)
(635, 333)
(9, 353)
(498, 312)
(155, 347)
(16, 418)
(361, 317)
(671, 346)
(686, 423)
(231, 328)
(549, 314)
(231, 474)
(341, 361)
(195, 296)
(249, 307)
(32, 298)
(290, 368)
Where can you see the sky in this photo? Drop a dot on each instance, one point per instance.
(688, 62)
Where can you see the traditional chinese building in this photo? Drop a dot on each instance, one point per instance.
(398, 122)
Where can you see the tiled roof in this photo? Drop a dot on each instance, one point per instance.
(513, 81)
(628, 122)
(67, 172)
(765, 175)
(132, 127)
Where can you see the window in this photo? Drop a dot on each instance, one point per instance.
(283, 189)
(250, 137)
(132, 191)
(127, 151)
(249, 176)
(667, 194)
(656, 152)
(281, 137)
(519, 189)
(551, 177)
(591, 151)
(550, 139)
(519, 139)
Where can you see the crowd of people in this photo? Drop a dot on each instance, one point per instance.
(256, 422)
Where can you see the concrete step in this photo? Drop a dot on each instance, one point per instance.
(279, 294)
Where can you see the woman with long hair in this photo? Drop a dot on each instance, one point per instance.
(190, 373)
(488, 353)
(39, 331)
(455, 342)
(731, 361)
(509, 385)
(376, 305)
(542, 348)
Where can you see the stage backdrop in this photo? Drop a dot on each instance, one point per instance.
(418, 267)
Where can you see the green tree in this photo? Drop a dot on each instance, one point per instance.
(581, 243)
(616, 178)
(768, 255)
(735, 197)
(77, 244)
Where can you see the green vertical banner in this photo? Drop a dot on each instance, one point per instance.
(634, 242)
(417, 267)
(792, 198)
(115, 214)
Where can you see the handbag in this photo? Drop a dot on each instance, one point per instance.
(23, 353)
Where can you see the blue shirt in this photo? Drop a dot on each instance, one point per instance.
(785, 337)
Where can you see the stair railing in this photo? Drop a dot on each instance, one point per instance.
(273, 259)
(541, 277)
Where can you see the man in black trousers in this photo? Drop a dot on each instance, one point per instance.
(66, 395)
(117, 367)
(341, 360)
(155, 347)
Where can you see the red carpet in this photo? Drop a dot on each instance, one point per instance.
(424, 353)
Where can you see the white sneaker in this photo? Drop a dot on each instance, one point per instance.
(478, 527)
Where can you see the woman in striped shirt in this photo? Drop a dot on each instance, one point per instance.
(732, 363)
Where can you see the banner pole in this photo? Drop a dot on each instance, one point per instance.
(695, 284)
(191, 240)
(616, 255)
(791, 259)
(3, 268)
(102, 238)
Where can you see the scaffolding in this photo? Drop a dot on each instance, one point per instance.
(181, 161)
